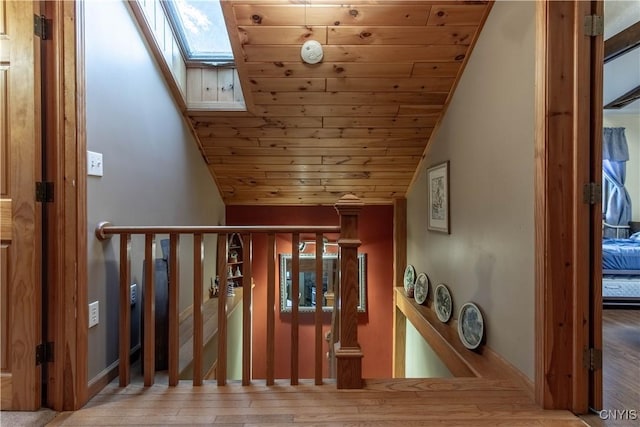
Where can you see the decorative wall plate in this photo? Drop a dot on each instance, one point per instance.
(470, 325)
(421, 288)
(409, 280)
(443, 304)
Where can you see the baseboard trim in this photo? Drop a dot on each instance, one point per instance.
(108, 374)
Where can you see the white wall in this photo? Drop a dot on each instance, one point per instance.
(153, 171)
(421, 361)
(631, 123)
(488, 137)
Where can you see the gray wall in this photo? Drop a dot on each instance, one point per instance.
(488, 137)
(153, 172)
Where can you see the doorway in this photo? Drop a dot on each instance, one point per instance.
(620, 327)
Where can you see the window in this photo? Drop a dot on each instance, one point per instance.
(200, 29)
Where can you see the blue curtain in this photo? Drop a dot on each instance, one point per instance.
(616, 204)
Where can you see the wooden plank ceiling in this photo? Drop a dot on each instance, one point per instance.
(359, 121)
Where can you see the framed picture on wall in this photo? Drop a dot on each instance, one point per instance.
(438, 197)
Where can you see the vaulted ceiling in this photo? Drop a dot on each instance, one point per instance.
(359, 121)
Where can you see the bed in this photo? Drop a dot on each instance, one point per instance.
(621, 270)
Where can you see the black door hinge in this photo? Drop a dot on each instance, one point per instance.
(592, 359)
(44, 192)
(591, 193)
(41, 27)
(44, 353)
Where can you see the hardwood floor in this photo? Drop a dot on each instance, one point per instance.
(401, 402)
(621, 368)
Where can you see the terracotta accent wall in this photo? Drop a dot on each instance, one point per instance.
(375, 326)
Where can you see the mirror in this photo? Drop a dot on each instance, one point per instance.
(330, 282)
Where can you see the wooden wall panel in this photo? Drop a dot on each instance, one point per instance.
(256, 14)
(4, 136)
(327, 69)
(5, 317)
(400, 35)
(281, 35)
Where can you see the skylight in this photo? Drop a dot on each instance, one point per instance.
(200, 29)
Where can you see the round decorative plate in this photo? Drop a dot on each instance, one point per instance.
(421, 288)
(409, 280)
(442, 302)
(470, 325)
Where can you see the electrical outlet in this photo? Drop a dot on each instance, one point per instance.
(94, 314)
(94, 163)
(134, 294)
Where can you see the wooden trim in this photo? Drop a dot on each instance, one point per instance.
(223, 251)
(149, 311)
(595, 315)
(443, 339)
(399, 263)
(581, 212)
(6, 222)
(247, 296)
(295, 306)
(6, 390)
(77, 22)
(198, 330)
(271, 307)
(174, 303)
(318, 313)
(540, 202)
(621, 43)
(124, 317)
(561, 218)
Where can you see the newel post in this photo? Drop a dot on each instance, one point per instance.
(347, 350)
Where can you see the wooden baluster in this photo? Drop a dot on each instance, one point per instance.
(198, 333)
(247, 291)
(223, 252)
(174, 303)
(348, 352)
(149, 310)
(295, 305)
(271, 302)
(125, 309)
(319, 303)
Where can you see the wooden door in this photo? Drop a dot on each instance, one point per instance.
(20, 267)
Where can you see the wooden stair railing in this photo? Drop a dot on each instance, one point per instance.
(347, 350)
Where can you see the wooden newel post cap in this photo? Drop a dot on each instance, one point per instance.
(349, 204)
(100, 234)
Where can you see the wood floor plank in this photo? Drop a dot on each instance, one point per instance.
(395, 402)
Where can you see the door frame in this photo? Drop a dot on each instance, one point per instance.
(67, 326)
(567, 230)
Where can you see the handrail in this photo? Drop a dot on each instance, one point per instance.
(104, 229)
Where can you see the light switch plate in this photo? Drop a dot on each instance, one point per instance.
(94, 163)
(94, 314)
